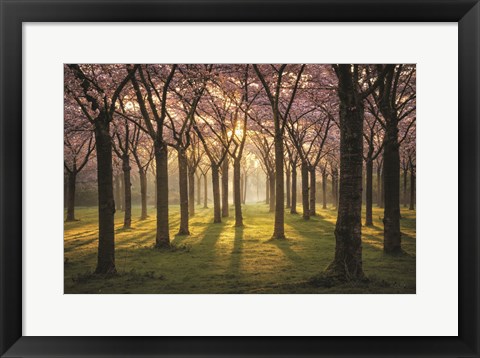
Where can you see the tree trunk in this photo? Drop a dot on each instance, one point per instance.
(162, 238)
(347, 263)
(313, 191)
(72, 179)
(225, 188)
(288, 186)
(143, 193)
(405, 179)
(199, 199)
(205, 192)
(127, 219)
(369, 193)
(412, 188)
(191, 193)
(271, 191)
(217, 215)
(305, 202)
(237, 193)
(106, 205)
(324, 188)
(293, 208)
(279, 229)
(391, 169)
(183, 186)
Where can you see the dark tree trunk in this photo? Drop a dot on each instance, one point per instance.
(279, 229)
(237, 193)
(293, 208)
(127, 219)
(205, 192)
(143, 192)
(412, 189)
(379, 186)
(288, 186)
(271, 183)
(347, 263)
(391, 169)
(305, 199)
(162, 238)
(217, 214)
(369, 193)
(324, 188)
(267, 190)
(199, 201)
(183, 186)
(118, 194)
(72, 179)
(106, 205)
(225, 188)
(313, 191)
(191, 193)
(405, 179)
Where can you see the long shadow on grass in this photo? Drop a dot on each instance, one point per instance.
(235, 256)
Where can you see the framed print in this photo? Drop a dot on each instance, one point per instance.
(239, 178)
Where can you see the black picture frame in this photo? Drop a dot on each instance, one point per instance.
(14, 13)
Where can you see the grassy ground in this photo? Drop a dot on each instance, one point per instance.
(219, 258)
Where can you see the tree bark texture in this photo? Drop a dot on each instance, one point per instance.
(162, 238)
(237, 193)
(217, 214)
(72, 179)
(391, 168)
(279, 228)
(106, 205)
(347, 263)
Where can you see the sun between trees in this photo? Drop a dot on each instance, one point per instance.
(335, 121)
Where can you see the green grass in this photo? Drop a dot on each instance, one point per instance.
(219, 258)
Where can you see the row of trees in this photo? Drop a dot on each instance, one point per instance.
(315, 119)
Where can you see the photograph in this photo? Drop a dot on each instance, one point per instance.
(239, 178)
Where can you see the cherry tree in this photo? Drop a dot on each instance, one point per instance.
(281, 99)
(96, 92)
